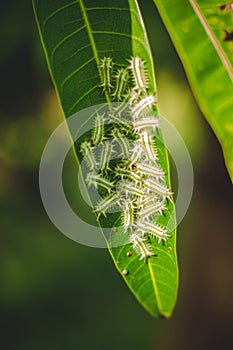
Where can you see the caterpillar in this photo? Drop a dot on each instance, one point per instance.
(137, 183)
(129, 188)
(128, 214)
(122, 142)
(105, 156)
(97, 180)
(124, 123)
(136, 153)
(106, 203)
(143, 106)
(152, 229)
(87, 152)
(149, 170)
(124, 172)
(142, 201)
(133, 97)
(146, 139)
(121, 77)
(106, 66)
(141, 246)
(154, 208)
(145, 123)
(158, 188)
(98, 130)
(120, 108)
(137, 66)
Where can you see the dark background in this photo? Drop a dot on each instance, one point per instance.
(57, 294)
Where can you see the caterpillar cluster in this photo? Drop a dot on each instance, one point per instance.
(135, 182)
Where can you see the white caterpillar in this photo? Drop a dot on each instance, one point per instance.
(141, 246)
(158, 188)
(128, 188)
(107, 203)
(136, 153)
(128, 169)
(128, 214)
(137, 66)
(149, 170)
(127, 173)
(152, 229)
(154, 208)
(145, 123)
(97, 180)
(146, 139)
(143, 106)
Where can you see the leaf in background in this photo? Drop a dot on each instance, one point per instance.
(76, 36)
(202, 34)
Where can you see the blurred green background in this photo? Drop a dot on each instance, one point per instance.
(57, 294)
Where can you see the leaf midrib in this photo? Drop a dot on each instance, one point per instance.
(212, 37)
(156, 291)
(92, 41)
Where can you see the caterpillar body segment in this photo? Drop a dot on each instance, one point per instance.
(141, 246)
(88, 154)
(98, 130)
(137, 67)
(106, 204)
(97, 181)
(106, 67)
(121, 79)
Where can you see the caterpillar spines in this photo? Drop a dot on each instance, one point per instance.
(98, 130)
(146, 139)
(106, 67)
(128, 171)
(89, 157)
(124, 123)
(106, 203)
(120, 108)
(128, 214)
(143, 106)
(152, 229)
(122, 141)
(158, 188)
(137, 66)
(105, 156)
(149, 170)
(145, 123)
(121, 78)
(156, 208)
(97, 180)
(141, 246)
(130, 189)
(136, 154)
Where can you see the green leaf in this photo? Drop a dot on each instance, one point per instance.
(199, 32)
(75, 36)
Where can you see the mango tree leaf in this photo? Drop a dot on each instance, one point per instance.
(76, 35)
(202, 34)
